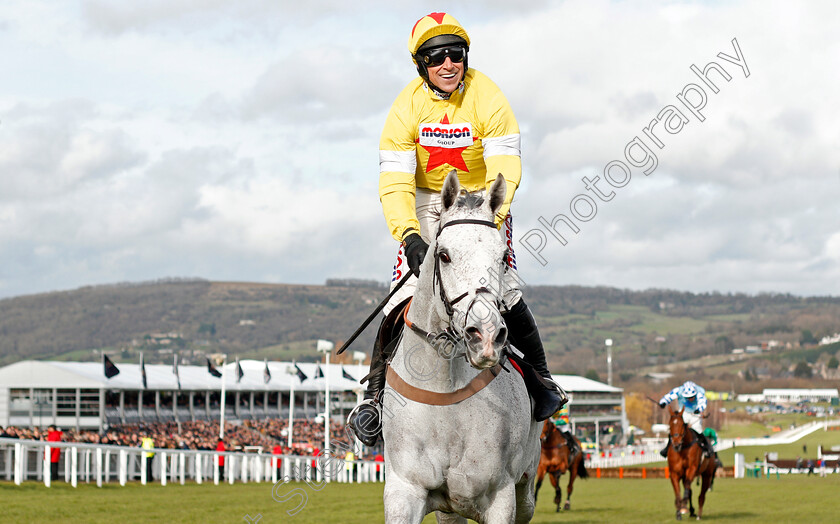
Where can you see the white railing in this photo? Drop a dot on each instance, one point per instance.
(24, 460)
(633, 456)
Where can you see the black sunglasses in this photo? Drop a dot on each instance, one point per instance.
(437, 56)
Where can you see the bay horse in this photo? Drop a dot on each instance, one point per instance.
(555, 459)
(685, 463)
(458, 432)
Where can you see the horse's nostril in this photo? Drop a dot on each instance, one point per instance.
(502, 336)
(473, 333)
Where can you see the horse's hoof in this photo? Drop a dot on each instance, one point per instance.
(567, 505)
(679, 516)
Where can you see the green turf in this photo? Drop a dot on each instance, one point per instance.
(789, 499)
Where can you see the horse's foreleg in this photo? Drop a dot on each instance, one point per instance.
(558, 491)
(687, 494)
(675, 483)
(540, 475)
(449, 518)
(570, 486)
(525, 502)
(502, 508)
(404, 503)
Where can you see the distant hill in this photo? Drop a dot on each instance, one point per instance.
(650, 328)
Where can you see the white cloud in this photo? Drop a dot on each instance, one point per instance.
(238, 140)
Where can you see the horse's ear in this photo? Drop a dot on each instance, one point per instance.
(498, 191)
(451, 190)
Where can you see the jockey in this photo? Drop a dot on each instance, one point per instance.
(451, 117)
(692, 399)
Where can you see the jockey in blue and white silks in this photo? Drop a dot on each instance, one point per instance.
(692, 398)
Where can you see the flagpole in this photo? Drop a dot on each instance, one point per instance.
(222, 411)
(291, 371)
(325, 347)
(327, 405)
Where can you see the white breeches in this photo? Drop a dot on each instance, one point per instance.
(427, 204)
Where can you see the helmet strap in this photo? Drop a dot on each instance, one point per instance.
(423, 71)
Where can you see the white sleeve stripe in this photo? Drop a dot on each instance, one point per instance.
(501, 145)
(402, 161)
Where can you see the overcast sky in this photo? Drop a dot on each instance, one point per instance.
(239, 140)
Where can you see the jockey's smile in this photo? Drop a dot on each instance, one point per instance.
(447, 76)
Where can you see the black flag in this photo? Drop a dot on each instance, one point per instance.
(301, 375)
(266, 373)
(239, 372)
(212, 370)
(175, 370)
(110, 369)
(346, 375)
(319, 373)
(143, 371)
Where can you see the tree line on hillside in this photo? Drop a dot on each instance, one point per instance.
(237, 317)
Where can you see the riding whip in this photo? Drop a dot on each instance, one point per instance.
(373, 315)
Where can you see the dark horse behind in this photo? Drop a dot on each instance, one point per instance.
(685, 463)
(556, 458)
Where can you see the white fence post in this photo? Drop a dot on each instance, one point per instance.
(181, 467)
(198, 464)
(74, 465)
(47, 464)
(143, 468)
(162, 468)
(216, 469)
(123, 466)
(18, 464)
(98, 467)
(231, 464)
(108, 466)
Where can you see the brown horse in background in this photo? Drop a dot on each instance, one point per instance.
(685, 463)
(555, 459)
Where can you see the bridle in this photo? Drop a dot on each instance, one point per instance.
(450, 336)
(544, 440)
(681, 435)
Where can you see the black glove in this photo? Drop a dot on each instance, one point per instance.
(696, 411)
(662, 404)
(415, 251)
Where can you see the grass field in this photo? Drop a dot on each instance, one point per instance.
(789, 499)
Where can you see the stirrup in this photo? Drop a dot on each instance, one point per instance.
(365, 437)
(549, 383)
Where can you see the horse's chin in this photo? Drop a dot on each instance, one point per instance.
(479, 361)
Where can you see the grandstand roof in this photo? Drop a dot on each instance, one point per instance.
(577, 384)
(52, 374)
(90, 375)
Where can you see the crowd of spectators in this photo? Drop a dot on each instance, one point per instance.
(271, 435)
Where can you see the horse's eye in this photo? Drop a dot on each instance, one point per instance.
(444, 257)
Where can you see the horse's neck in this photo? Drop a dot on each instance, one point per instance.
(420, 364)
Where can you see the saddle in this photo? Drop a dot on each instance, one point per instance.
(571, 442)
(388, 337)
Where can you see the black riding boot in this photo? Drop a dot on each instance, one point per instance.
(524, 334)
(664, 451)
(365, 419)
(706, 445)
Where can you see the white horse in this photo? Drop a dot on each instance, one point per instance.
(476, 458)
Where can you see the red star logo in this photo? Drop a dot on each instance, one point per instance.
(446, 155)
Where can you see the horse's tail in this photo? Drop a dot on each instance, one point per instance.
(581, 469)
